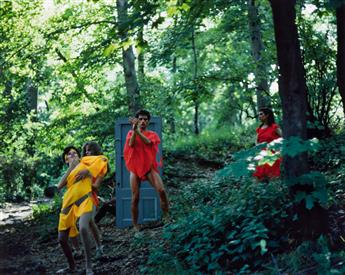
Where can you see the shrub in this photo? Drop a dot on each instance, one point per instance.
(213, 143)
(228, 225)
(310, 258)
(42, 210)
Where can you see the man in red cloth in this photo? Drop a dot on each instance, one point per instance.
(140, 153)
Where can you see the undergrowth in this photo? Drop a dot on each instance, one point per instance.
(212, 143)
(242, 226)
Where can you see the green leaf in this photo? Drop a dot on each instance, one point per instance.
(171, 11)
(294, 146)
(236, 169)
(263, 245)
(185, 7)
(300, 196)
(309, 202)
(321, 195)
(68, 13)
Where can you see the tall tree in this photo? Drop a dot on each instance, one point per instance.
(292, 84)
(196, 85)
(262, 89)
(340, 14)
(141, 55)
(292, 88)
(132, 86)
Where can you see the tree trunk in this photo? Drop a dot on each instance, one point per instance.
(292, 89)
(132, 86)
(196, 118)
(262, 89)
(340, 14)
(31, 96)
(141, 57)
(196, 100)
(171, 120)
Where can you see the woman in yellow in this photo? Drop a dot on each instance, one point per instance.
(77, 202)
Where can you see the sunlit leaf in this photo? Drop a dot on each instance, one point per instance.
(185, 7)
(171, 11)
(110, 49)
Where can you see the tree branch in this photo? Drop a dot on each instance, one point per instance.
(81, 26)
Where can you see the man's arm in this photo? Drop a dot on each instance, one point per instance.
(134, 123)
(142, 136)
(132, 139)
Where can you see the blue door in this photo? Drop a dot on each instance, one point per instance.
(149, 209)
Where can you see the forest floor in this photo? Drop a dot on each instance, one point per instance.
(29, 246)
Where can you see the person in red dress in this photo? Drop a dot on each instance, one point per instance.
(267, 132)
(140, 152)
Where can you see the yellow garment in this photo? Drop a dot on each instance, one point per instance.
(97, 166)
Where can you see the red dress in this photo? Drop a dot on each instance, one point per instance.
(267, 171)
(142, 157)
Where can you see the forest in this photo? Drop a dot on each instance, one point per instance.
(70, 69)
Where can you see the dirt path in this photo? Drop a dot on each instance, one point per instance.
(13, 213)
(28, 247)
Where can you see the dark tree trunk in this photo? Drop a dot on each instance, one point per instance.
(340, 14)
(262, 89)
(171, 120)
(196, 118)
(291, 81)
(292, 89)
(7, 92)
(196, 99)
(141, 57)
(32, 96)
(132, 86)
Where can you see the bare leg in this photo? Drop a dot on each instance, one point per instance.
(63, 240)
(135, 184)
(75, 243)
(84, 223)
(157, 183)
(95, 230)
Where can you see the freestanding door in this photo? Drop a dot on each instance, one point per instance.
(149, 209)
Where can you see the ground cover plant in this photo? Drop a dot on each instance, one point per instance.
(238, 224)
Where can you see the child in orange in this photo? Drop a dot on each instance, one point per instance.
(77, 202)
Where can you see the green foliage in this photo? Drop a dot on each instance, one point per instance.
(319, 58)
(212, 143)
(243, 226)
(40, 210)
(330, 159)
(44, 210)
(310, 258)
(223, 225)
(331, 154)
(245, 161)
